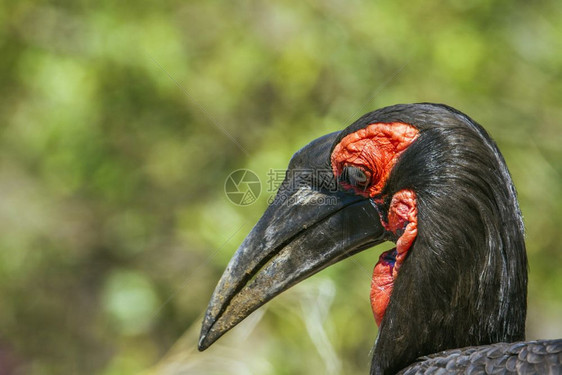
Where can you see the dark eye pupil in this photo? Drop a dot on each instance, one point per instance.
(354, 176)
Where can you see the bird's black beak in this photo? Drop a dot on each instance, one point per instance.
(310, 225)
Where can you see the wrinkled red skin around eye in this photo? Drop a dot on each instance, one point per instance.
(375, 149)
(402, 215)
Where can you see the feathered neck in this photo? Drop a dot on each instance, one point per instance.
(464, 281)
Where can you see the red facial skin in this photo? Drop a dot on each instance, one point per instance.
(375, 150)
(402, 215)
(381, 286)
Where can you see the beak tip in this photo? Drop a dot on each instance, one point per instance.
(205, 338)
(202, 344)
(206, 327)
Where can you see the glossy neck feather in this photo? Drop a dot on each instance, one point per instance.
(464, 281)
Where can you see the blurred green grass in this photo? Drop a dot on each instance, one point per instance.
(121, 121)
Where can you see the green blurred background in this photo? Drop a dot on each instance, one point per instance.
(120, 122)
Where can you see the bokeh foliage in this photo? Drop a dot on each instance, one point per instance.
(120, 122)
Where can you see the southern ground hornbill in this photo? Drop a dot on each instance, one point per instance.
(451, 296)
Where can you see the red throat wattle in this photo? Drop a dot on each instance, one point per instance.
(402, 217)
(375, 150)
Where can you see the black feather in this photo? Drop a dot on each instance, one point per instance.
(464, 282)
(502, 358)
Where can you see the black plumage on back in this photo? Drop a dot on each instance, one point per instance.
(533, 357)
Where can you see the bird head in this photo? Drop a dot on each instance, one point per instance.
(424, 176)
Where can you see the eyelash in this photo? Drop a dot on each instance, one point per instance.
(355, 176)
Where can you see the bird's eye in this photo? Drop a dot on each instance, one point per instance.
(355, 177)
